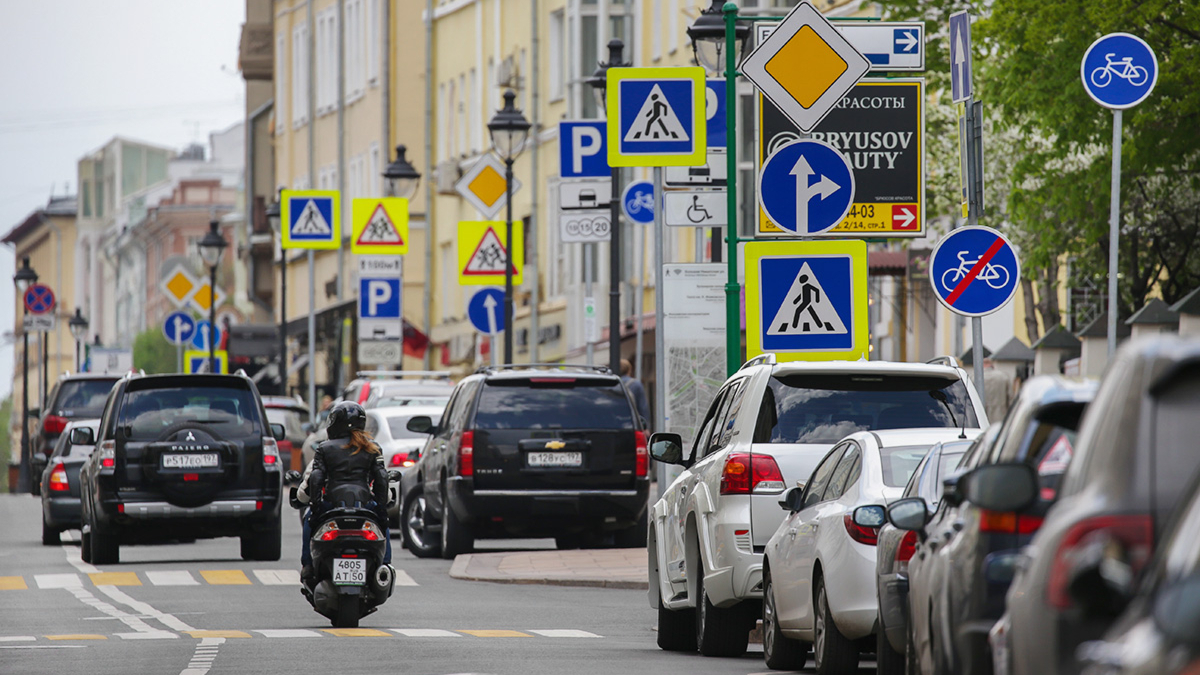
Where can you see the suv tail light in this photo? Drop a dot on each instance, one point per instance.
(364, 393)
(466, 454)
(329, 531)
(54, 425)
(905, 551)
(999, 522)
(863, 535)
(271, 454)
(108, 457)
(58, 479)
(745, 473)
(1134, 533)
(642, 466)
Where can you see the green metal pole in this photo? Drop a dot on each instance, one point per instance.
(733, 316)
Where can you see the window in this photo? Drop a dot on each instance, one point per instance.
(373, 55)
(842, 474)
(374, 178)
(300, 73)
(565, 403)
(673, 26)
(81, 398)
(460, 120)
(449, 282)
(557, 49)
(355, 58)
(820, 479)
(228, 412)
(656, 31)
(900, 462)
(442, 135)
(280, 80)
(327, 61)
(735, 406)
(474, 106)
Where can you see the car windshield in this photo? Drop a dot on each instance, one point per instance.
(148, 414)
(805, 408)
(83, 398)
(398, 427)
(900, 462)
(554, 403)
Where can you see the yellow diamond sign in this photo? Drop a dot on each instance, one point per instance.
(484, 186)
(178, 286)
(488, 185)
(823, 67)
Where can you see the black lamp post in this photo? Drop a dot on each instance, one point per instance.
(509, 130)
(599, 83)
(79, 326)
(211, 247)
(274, 215)
(402, 178)
(24, 278)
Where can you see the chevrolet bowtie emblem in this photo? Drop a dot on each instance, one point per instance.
(555, 445)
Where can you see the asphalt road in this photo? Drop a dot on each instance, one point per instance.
(194, 609)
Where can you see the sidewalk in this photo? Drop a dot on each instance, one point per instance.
(606, 568)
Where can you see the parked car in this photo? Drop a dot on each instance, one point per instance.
(292, 413)
(368, 385)
(78, 396)
(1134, 461)
(58, 485)
(895, 548)
(819, 566)
(766, 430)
(401, 447)
(966, 554)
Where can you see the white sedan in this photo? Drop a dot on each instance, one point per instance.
(819, 571)
(389, 428)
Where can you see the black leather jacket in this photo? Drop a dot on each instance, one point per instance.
(347, 476)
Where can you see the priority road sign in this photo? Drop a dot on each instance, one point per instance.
(714, 112)
(484, 186)
(961, 87)
(638, 202)
(483, 252)
(196, 361)
(178, 286)
(486, 310)
(582, 149)
(695, 208)
(1119, 70)
(179, 328)
(888, 45)
(806, 300)
(974, 271)
(379, 226)
(202, 296)
(39, 299)
(201, 334)
(656, 117)
(312, 219)
(806, 187)
(805, 66)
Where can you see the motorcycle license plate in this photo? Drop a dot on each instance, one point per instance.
(555, 459)
(199, 460)
(349, 571)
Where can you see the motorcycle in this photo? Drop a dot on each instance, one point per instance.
(349, 579)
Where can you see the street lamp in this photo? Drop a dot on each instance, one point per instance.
(79, 326)
(599, 83)
(402, 178)
(211, 247)
(509, 130)
(274, 216)
(707, 34)
(24, 278)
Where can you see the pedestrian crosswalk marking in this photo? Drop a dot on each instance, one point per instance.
(115, 579)
(806, 309)
(225, 577)
(18, 638)
(356, 632)
(13, 584)
(281, 577)
(278, 577)
(149, 635)
(403, 579)
(198, 634)
(299, 633)
(288, 633)
(656, 121)
(171, 578)
(425, 632)
(565, 633)
(57, 580)
(496, 633)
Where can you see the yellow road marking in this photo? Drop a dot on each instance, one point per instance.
(13, 584)
(115, 579)
(217, 634)
(225, 577)
(356, 632)
(495, 633)
(77, 636)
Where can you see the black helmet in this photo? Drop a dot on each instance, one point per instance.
(345, 417)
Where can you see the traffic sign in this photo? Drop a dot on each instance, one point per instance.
(178, 286)
(202, 295)
(806, 300)
(312, 219)
(695, 208)
(714, 112)
(713, 173)
(486, 310)
(39, 299)
(179, 328)
(379, 353)
(656, 117)
(584, 227)
(201, 333)
(974, 271)
(483, 253)
(484, 186)
(584, 195)
(806, 187)
(805, 66)
(1119, 70)
(961, 87)
(196, 361)
(40, 323)
(379, 226)
(582, 152)
(638, 202)
(379, 308)
(888, 45)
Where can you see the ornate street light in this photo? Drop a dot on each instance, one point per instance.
(211, 247)
(78, 326)
(707, 33)
(509, 130)
(23, 279)
(401, 176)
(599, 79)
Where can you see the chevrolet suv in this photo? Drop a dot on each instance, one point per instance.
(182, 457)
(766, 430)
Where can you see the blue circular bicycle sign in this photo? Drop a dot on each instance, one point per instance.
(1119, 70)
(974, 271)
(638, 202)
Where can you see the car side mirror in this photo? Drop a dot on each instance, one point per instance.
(278, 432)
(1006, 488)
(421, 424)
(1177, 612)
(83, 436)
(950, 493)
(909, 514)
(873, 516)
(667, 448)
(793, 499)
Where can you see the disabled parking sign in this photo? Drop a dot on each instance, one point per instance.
(974, 271)
(656, 117)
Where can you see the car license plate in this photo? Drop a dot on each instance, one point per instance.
(200, 460)
(555, 459)
(349, 571)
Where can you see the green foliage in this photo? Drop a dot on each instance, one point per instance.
(153, 354)
(6, 441)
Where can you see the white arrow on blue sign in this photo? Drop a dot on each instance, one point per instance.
(583, 149)
(638, 201)
(179, 328)
(486, 310)
(806, 187)
(960, 56)
(974, 271)
(200, 337)
(889, 46)
(1119, 70)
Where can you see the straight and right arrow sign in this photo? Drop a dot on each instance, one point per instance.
(960, 56)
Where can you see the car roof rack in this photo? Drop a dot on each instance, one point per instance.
(555, 366)
(430, 374)
(132, 373)
(944, 361)
(761, 359)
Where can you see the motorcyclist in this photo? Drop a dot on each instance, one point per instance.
(343, 468)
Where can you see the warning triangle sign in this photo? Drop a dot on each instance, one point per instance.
(311, 221)
(806, 309)
(489, 257)
(656, 121)
(380, 230)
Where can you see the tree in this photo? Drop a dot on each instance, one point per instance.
(153, 354)
(6, 439)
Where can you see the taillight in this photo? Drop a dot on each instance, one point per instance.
(466, 454)
(998, 522)
(329, 531)
(905, 551)
(642, 466)
(58, 479)
(108, 456)
(364, 393)
(1134, 533)
(396, 459)
(271, 453)
(863, 535)
(745, 473)
(54, 425)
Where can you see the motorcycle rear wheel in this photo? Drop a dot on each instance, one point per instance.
(347, 612)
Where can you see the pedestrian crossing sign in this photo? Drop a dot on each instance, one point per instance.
(379, 226)
(196, 361)
(483, 252)
(807, 300)
(312, 219)
(656, 117)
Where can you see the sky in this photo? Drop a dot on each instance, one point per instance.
(76, 73)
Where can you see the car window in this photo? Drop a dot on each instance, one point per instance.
(1175, 427)
(452, 407)
(947, 463)
(82, 398)
(841, 473)
(61, 445)
(706, 429)
(820, 478)
(723, 422)
(737, 396)
(899, 463)
(554, 403)
(228, 412)
(918, 484)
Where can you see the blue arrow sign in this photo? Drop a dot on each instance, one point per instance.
(974, 271)
(1119, 70)
(486, 310)
(960, 57)
(583, 149)
(806, 187)
(200, 337)
(714, 109)
(179, 328)
(638, 201)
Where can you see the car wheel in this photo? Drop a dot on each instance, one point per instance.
(263, 545)
(633, 537)
(568, 542)
(676, 628)
(719, 631)
(457, 537)
(779, 651)
(832, 652)
(418, 538)
(106, 550)
(888, 661)
(50, 534)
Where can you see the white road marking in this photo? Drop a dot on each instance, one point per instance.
(142, 608)
(42, 646)
(18, 638)
(77, 562)
(58, 581)
(203, 657)
(154, 635)
(402, 579)
(68, 535)
(425, 632)
(288, 633)
(565, 633)
(278, 577)
(171, 578)
(134, 622)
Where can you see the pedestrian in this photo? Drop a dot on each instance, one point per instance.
(637, 391)
(326, 402)
(997, 391)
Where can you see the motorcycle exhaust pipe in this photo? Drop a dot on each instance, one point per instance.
(383, 580)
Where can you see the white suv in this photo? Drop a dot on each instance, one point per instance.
(767, 428)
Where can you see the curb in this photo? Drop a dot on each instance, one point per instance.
(467, 568)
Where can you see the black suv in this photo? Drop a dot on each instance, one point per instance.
(182, 457)
(529, 451)
(74, 397)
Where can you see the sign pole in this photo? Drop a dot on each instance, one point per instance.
(733, 323)
(1114, 232)
(660, 357)
(589, 300)
(312, 338)
(973, 208)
